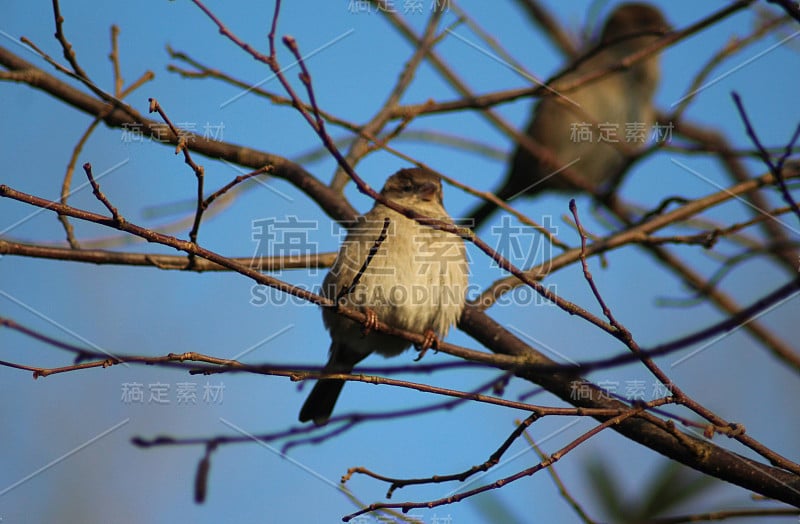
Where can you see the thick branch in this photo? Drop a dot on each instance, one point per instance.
(699, 454)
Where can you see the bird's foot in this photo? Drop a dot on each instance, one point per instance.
(430, 341)
(370, 322)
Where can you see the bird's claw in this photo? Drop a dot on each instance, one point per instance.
(370, 322)
(430, 341)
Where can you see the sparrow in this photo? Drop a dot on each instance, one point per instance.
(584, 128)
(416, 281)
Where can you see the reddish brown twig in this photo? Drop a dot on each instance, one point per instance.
(238, 180)
(87, 168)
(199, 171)
(552, 459)
(719, 424)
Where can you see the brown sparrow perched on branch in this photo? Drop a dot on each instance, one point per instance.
(576, 126)
(416, 280)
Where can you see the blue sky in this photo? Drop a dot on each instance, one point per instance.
(67, 437)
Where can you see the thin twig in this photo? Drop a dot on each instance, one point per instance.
(625, 336)
(245, 270)
(405, 506)
(562, 488)
(370, 255)
(87, 168)
(551, 27)
(161, 261)
(199, 171)
(727, 514)
(359, 147)
(776, 168)
(238, 180)
(493, 460)
(114, 57)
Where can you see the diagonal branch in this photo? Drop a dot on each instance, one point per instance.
(330, 201)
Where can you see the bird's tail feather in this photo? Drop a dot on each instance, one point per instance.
(320, 402)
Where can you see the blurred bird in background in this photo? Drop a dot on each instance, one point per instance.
(590, 129)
